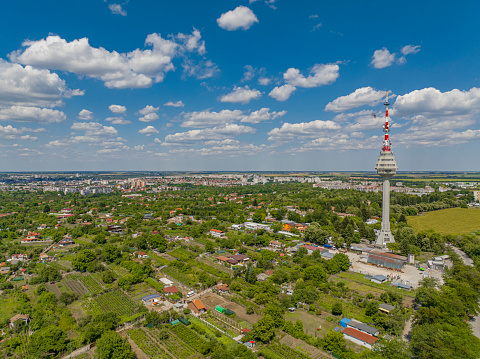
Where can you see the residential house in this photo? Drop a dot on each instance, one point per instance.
(217, 233)
(222, 288)
(19, 257)
(65, 242)
(142, 255)
(170, 290)
(23, 317)
(197, 306)
(301, 227)
(240, 258)
(276, 245)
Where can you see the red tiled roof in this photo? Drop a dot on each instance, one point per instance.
(364, 337)
(216, 231)
(171, 289)
(199, 304)
(222, 258)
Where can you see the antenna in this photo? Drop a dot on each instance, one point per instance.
(386, 128)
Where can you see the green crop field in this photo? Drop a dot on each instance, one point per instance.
(448, 221)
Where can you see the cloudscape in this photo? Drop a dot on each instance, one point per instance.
(237, 85)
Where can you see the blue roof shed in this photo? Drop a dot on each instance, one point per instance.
(344, 322)
(149, 297)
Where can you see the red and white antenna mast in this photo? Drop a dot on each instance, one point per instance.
(386, 129)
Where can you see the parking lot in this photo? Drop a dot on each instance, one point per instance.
(410, 274)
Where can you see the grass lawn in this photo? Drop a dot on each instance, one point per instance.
(311, 322)
(7, 307)
(448, 221)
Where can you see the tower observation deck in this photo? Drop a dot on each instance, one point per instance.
(386, 167)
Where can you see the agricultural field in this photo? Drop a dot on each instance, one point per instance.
(448, 221)
(75, 286)
(281, 351)
(90, 284)
(176, 345)
(149, 346)
(115, 301)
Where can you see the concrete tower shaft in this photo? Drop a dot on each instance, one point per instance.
(386, 167)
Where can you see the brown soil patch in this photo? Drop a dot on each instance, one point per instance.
(54, 289)
(211, 300)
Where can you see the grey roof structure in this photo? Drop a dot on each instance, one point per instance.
(150, 296)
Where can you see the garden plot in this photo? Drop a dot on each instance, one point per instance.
(211, 300)
(147, 345)
(115, 301)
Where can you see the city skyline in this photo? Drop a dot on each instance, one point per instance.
(237, 86)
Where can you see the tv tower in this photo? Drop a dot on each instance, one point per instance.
(386, 167)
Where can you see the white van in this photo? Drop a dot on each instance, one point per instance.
(190, 294)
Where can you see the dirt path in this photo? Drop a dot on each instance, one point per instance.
(407, 329)
(138, 352)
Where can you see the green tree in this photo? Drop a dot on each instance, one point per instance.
(337, 308)
(264, 329)
(342, 260)
(209, 246)
(316, 274)
(334, 341)
(112, 346)
(85, 260)
(315, 234)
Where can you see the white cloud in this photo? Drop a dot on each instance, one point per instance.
(148, 109)
(432, 102)
(282, 93)
(410, 49)
(227, 150)
(117, 9)
(240, 18)
(382, 58)
(85, 115)
(211, 118)
(208, 134)
(262, 115)
(117, 108)
(193, 42)
(94, 129)
(264, 81)
(174, 104)
(118, 121)
(149, 117)
(139, 147)
(302, 130)
(200, 70)
(360, 97)
(322, 74)
(56, 143)
(149, 130)
(27, 86)
(241, 95)
(135, 69)
(339, 142)
(31, 114)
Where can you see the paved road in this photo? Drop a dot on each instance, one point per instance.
(475, 322)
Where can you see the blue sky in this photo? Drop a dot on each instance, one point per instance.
(237, 85)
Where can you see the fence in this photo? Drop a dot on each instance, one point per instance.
(214, 327)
